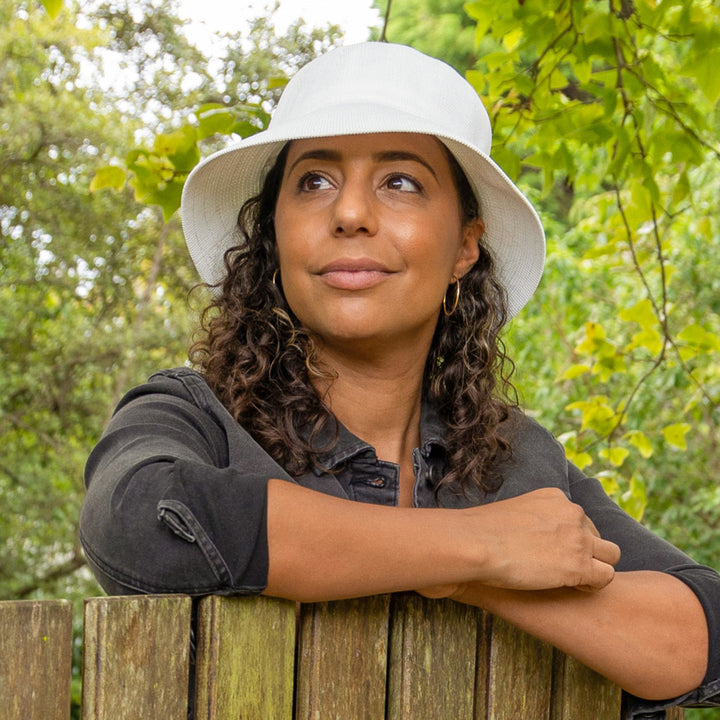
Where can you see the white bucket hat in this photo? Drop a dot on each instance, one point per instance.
(369, 88)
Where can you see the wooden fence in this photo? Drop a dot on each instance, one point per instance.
(398, 657)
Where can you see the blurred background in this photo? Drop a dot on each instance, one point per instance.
(606, 114)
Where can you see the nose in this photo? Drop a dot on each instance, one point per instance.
(354, 209)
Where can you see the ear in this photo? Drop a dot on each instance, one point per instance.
(469, 252)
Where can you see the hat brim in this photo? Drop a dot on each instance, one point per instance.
(218, 186)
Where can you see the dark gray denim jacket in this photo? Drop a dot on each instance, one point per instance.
(177, 491)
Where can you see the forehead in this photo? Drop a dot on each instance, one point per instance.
(379, 146)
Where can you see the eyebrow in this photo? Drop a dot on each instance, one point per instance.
(384, 156)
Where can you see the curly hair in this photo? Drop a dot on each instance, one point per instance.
(260, 361)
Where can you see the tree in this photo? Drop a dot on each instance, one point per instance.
(94, 285)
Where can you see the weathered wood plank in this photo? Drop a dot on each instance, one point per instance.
(35, 659)
(520, 678)
(433, 653)
(136, 658)
(482, 665)
(245, 659)
(581, 694)
(343, 660)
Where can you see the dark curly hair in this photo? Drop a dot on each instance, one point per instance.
(260, 361)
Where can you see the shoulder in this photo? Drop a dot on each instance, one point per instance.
(537, 460)
(530, 441)
(175, 402)
(180, 383)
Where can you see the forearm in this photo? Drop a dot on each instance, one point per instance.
(326, 548)
(646, 631)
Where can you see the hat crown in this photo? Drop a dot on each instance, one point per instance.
(376, 76)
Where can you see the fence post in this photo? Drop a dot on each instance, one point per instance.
(342, 659)
(434, 648)
(35, 659)
(245, 659)
(136, 658)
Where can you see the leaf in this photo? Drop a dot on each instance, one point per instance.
(594, 25)
(52, 7)
(634, 500)
(609, 482)
(642, 313)
(594, 342)
(607, 365)
(580, 459)
(575, 371)
(597, 415)
(274, 83)
(512, 39)
(477, 80)
(675, 435)
(180, 148)
(109, 176)
(215, 121)
(508, 161)
(649, 339)
(615, 455)
(704, 68)
(638, 439)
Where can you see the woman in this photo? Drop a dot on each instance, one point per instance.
(352, 354)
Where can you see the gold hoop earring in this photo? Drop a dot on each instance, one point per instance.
(449, 312)
(274, 277)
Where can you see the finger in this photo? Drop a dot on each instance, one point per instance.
(606, 551)
(601, 575)
(438, 591)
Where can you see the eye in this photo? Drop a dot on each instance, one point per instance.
(403, 183)
(312, 182)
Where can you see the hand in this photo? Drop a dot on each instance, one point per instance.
(537, 541)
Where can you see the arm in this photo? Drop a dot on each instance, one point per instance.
(170, 506)
(645, 631)
(325, 548)
(653, 629)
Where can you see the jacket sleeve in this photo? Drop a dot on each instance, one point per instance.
(176, 495)
(643, 550)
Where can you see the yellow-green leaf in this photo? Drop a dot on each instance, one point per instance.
(575, 371)
(641, 313)
(609, 482)
(597, 415)
(608, 365)
(634, 500)
(639, 439)
(650, 339)
(675, 435)
(615, 455)
(512, 39)
(704, 67)
(476, 79)
(277, 82)
(52, 7)
(580, 459)
(109, 176)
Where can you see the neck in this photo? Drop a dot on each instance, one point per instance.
(378, 400)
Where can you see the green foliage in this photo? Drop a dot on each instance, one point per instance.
(94, 279)
(438, 27)
(606, 114)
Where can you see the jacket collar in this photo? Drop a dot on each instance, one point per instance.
(344, 445)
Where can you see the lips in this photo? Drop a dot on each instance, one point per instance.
(354, 273)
